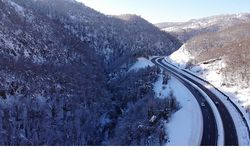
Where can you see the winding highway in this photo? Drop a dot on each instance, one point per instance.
(210, 129)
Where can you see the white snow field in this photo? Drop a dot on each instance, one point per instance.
(185, 127)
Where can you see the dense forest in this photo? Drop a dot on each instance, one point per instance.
(62, 80)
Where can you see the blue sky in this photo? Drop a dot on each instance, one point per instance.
(169, 10)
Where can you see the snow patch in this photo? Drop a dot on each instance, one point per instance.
(185, 126)
(141, 63)
(181, 57)
(161, 90)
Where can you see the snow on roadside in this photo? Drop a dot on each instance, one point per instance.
(161, 90)
(216, 113)
(141, 63)
(240, 126)
(185, 126)
(211, 72)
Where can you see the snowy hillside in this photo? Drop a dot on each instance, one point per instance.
(211, 71)
(220, 56)
(64, 76)
(186, 30)
(72, 76)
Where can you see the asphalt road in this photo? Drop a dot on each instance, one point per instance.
(210, 133)
(230, 134)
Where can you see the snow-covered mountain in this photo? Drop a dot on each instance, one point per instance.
(186, 30)
(230, 45)
(221, 57)
(206, 40)
(110, 37)
(63, 77)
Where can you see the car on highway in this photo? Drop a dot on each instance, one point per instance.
(203, 104)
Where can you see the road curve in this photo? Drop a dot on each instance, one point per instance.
(210, 131)
(230, 134)
(233, 104)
